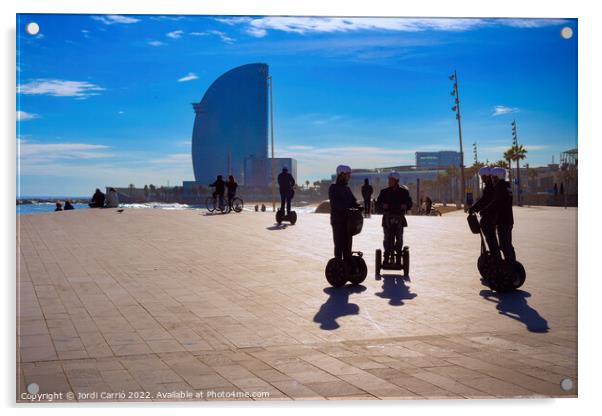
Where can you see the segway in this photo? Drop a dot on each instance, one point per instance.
(396, 260)
(337, 271)
(499, 274)
(280, 217)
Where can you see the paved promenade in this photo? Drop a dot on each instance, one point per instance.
(152, 300)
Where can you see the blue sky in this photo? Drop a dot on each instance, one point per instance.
(106, 99)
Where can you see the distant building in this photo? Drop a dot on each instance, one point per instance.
(437, 160)
(230, 134)
(258, 171)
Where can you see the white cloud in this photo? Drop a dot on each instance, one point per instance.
(121, 112)
(176, 34)
(86, 33)
(224, 37)
(259, 27)
(172, 18)
(500, 110)
(299, 147)
(44, 152)
(198, 34)
(155, 43)
(174, 159)
(59, 88)
(23, 116)
(532, 23)
(110, 19)
(191, 76)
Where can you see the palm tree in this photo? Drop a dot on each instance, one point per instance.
(500, 163)
(307, 184)
(509, 156)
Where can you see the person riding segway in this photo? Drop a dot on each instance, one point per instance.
(499, 274)
(394, 202)
(286, 184)
(487, 223)
(346, 221)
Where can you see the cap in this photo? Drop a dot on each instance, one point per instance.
(394, 175)
(485, 170)
(499, 172)
(343, 169)
(284, 169)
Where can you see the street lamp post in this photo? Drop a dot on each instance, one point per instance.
(272, 140)
(456, 109)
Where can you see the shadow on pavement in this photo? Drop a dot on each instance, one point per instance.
(514, 305)
(277, 227)
(395, 290)
(337, 305)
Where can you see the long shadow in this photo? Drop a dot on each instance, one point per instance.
(337, 305)
(514, 305)
(395, 290)
(277, 227)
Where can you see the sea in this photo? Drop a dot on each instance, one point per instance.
(44, 207)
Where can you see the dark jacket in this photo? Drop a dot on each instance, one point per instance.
(500, 207)
(98, 199)
(367, 191)
(341, 200)
(395, 197)
(231, 187)
(286, 183)
(484, 200)
(220, 186)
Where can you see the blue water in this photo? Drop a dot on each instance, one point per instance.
(44, 208)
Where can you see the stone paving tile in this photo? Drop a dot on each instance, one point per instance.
(160, 310)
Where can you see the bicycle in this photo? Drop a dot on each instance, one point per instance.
(213, 204)
(236, 205)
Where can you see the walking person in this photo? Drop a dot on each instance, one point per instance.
(367, 191)
(286, 184)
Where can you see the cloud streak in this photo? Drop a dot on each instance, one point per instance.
(59, 88)
(500, 110)
(24, 116)
(45, 152)
(259, 27)
(191, 76)
(111, 19)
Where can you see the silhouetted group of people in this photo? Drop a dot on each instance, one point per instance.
(393, 201)
(59, 207)
(100, 200)
(220, 189)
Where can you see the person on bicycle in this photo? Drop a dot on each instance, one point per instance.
(487, 214)
(341, 201)
(286, 183)
(220, 187)
(394, 202)
(367, 191)
(231, 186)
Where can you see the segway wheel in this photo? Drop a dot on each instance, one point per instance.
(293, 218)
(378, 261)
(521, 275)
(406, 261)
(358, 278)
(503, 278)
(279, 217)
(335, 272)
(484, 263)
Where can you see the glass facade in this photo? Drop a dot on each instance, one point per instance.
(437, 160)
(231, 124)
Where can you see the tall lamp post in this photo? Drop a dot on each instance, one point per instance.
(272, 140)
(456, 109)
(476, 161)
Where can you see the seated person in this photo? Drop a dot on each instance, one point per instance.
(58, 206)
(98, 199)
(394, 202)
(68, 206)
(112, 199)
